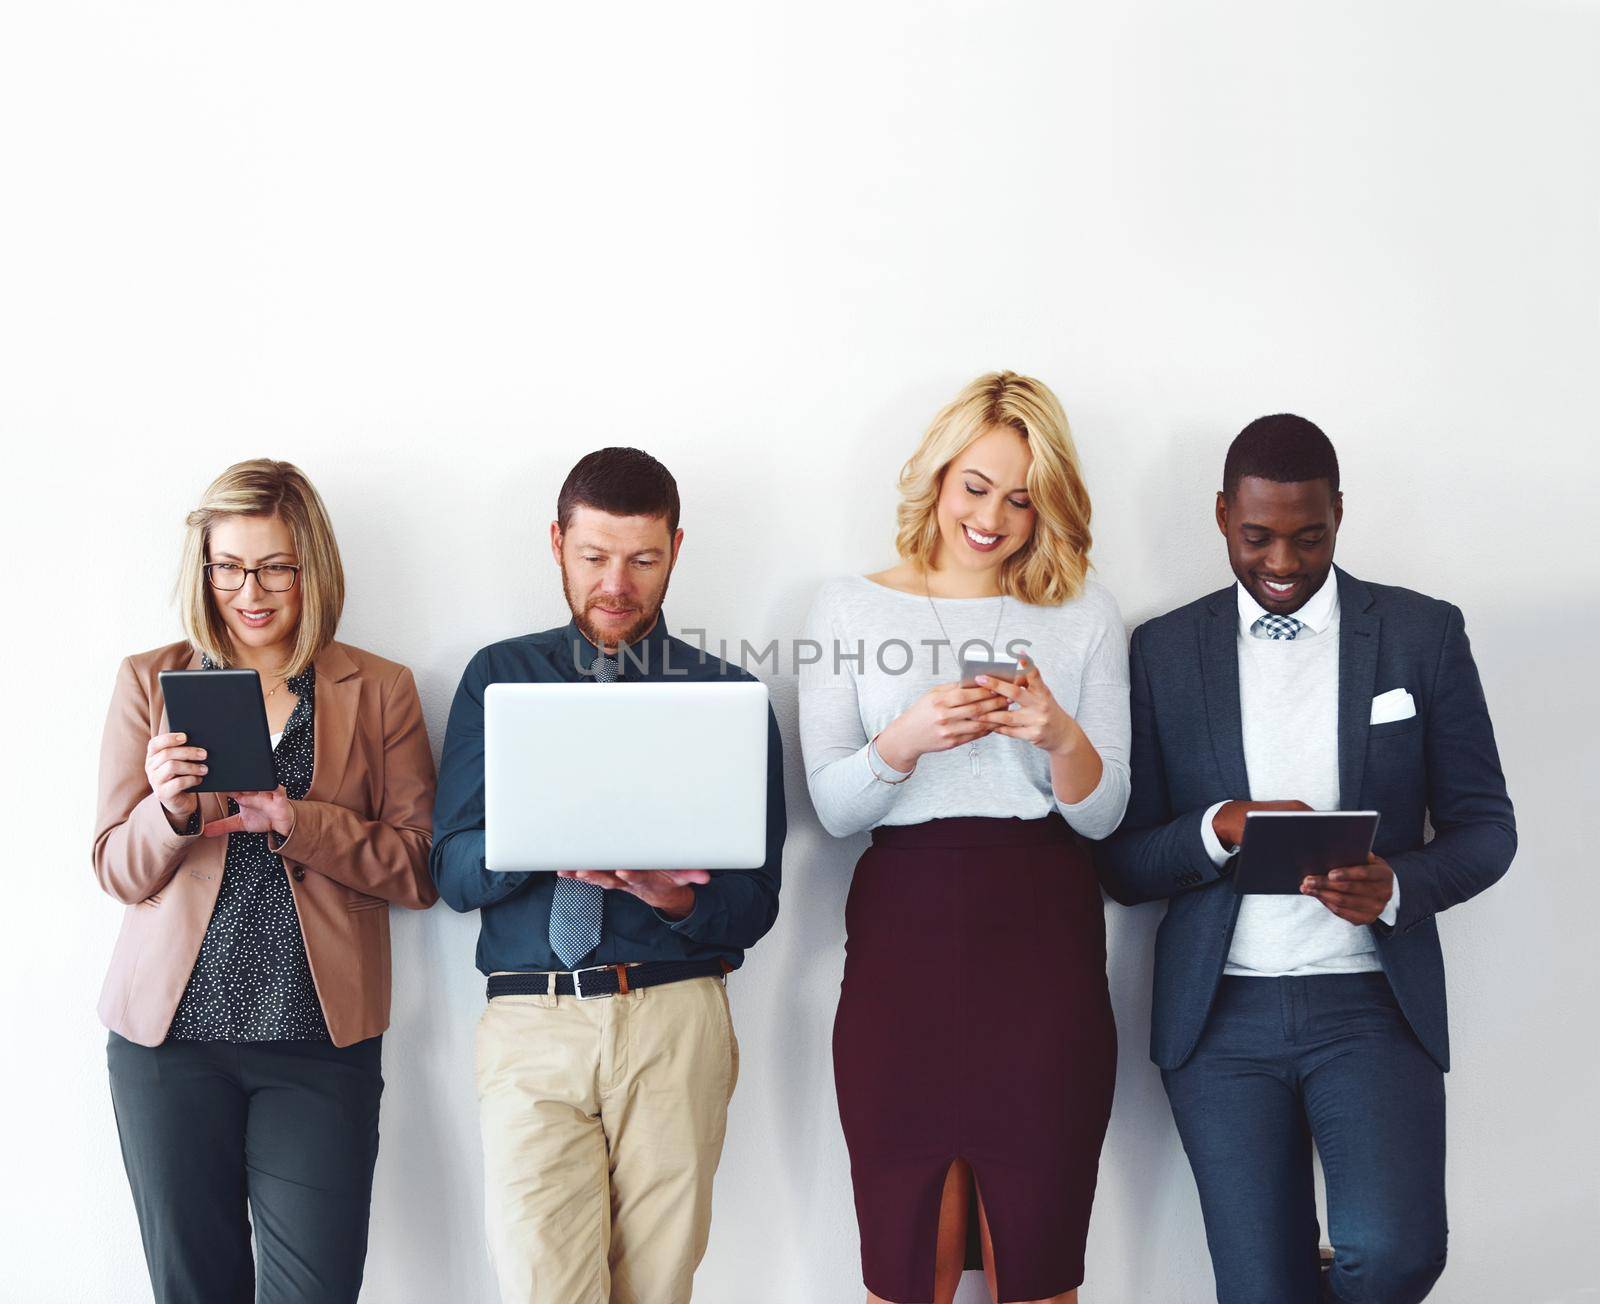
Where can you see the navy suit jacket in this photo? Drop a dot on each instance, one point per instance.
(1439, 767)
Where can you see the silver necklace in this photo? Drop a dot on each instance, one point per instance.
(976, 744)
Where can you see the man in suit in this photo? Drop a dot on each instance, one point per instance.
(1280, 1022)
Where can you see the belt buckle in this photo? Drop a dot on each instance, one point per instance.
(577, 983)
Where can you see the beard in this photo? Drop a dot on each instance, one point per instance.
(644, 617)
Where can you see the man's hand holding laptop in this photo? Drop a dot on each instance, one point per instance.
(666, 890)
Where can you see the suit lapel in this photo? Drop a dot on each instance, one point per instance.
(338, 699)
(1219, 670)
(1358, 673)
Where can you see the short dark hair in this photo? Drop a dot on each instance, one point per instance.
(622, 482)
(1283, 448)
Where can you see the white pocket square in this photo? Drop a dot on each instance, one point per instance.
(1396, 704)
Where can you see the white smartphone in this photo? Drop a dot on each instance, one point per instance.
(971, 668)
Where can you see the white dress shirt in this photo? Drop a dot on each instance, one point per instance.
(1289, 716)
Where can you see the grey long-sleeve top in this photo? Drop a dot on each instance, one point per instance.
(881, 649)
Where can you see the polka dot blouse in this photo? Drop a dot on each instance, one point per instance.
(252, 981)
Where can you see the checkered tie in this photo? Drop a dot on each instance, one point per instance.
(1282, 628)
(576, 907)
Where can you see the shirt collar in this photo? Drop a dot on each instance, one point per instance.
(1317, 614)
(299, 685)
(643, 657)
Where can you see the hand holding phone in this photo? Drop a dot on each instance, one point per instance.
(944, 717)
(972, 667)
(1030, 713)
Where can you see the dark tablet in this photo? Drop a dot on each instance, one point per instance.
(223, 711)
(1281, 847)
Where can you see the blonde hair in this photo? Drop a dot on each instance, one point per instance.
(262, 487)
(1051, 567)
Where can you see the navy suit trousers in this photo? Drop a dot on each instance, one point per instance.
(1285, 1063)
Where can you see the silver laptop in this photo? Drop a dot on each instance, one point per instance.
(625, 776)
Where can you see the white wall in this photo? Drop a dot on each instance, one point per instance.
(432, 253)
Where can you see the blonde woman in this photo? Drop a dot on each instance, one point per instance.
(249, 987)
(974, 1047)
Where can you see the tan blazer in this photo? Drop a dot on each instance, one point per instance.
(361, 839)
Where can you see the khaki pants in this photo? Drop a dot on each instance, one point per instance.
(602, 1127)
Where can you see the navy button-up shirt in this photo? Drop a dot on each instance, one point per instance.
(731, 912)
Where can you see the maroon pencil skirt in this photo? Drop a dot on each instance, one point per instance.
(974, 1023)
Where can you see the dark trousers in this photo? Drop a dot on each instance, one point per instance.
(217, 1136)
(1283, 1063)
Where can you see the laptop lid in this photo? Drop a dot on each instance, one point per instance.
(625, 776)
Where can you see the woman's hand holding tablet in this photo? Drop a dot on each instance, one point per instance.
(259, 812)
(222, 713)
(173, 770)
(224, 710)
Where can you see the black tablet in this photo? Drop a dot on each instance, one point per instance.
(223, 711)
(1281, 847)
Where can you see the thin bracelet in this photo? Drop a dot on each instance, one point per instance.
(872, 750)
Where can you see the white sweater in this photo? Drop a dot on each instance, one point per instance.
(867, 632)
(1289, 710)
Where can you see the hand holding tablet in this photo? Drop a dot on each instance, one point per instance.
(173, 769)
(259, 812)
(223, 713)
(220, 744)
(1228, 823)
(1358, 894)
(1283, 851)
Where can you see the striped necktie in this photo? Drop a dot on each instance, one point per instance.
(576, 907)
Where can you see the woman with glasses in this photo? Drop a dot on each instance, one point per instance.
(974, 1049)
(249, 987)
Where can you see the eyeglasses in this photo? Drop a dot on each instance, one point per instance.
(276, 577)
